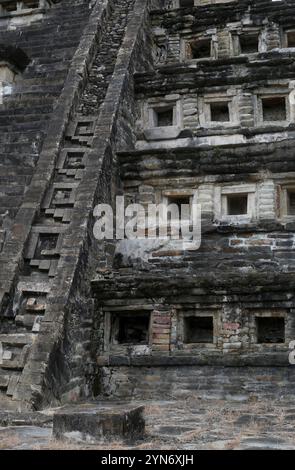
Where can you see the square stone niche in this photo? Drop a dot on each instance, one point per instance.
(197, 329)
(162, 120)
(180, 215)
(289, 38)
(270, 330)
(199, 48)
(179, 198)
(19, 7)
(179, 202)
(236, 204)
(127, 329)
(249, 43)
(273, 109)
(218, 110)
(287, 201)
(184, 3)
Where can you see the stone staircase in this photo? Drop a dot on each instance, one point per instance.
(104, 63)
(49, 45)
(22, 319)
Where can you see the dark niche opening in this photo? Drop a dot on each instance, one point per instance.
(274, 108)
(181, 201)
(11, 6)
(291, 39)
(291, 202)
(164, 117)
(46, 243)
(31, 3)
(14, 56)
(201, 49)
(237, 204)
(186, 3)
(249, 43)
(219, 112)
(198, 329)
(270, 329)
(130, 328)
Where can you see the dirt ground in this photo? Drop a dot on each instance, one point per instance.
(191, 424)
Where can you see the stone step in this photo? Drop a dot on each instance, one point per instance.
(10, 111)
(11, 174)
(69, 25)
(13, 365)
(27, 135)
(17, 339)
(14, 348)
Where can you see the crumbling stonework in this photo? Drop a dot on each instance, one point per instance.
(52, 228)
(218, 70)
(159, 102)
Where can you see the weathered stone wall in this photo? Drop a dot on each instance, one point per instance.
(231, 302)
(187, 382)
(234, 303)
(82, 317)
(223, 25)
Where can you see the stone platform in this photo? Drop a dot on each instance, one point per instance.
(98, 422)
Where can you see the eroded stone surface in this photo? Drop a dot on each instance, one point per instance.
(185, 425)
(159, 104)
(98, 422)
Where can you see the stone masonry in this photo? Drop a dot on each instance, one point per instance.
(166, 102)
